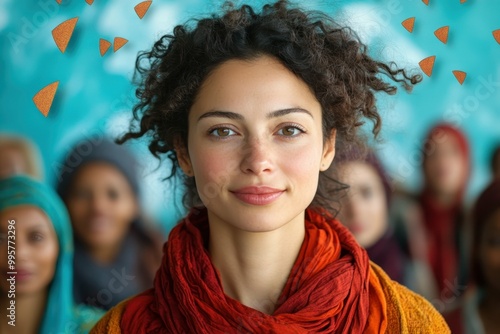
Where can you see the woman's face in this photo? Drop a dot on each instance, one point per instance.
(445, 167)
(101, 204)
(489, 251)
(364, 210)
(255, 144)
(36, 249)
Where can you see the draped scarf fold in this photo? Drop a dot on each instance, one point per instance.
(329, 288)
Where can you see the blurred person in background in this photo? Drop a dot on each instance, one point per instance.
(495, 163)
(365, 211)
(43, 262)
(18, 155)
(479, 312)
(116, 251)
(446, 169)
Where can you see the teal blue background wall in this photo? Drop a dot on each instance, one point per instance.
(95, 93)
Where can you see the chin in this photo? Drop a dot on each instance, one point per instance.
(258, 219)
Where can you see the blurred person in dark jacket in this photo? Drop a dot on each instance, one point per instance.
(116, 252)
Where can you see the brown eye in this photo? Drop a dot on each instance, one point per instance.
(290, 131)
(113, 194)
(36, 237)
(222, 132)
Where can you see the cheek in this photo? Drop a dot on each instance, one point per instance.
(378, 210)
(77, 209)
(301, 163)
(213, 169)
(48, 257)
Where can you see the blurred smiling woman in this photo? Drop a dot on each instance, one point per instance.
(43, 261)
(249, 105)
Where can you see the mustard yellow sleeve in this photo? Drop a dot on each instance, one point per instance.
(408, 312)
(110, 322)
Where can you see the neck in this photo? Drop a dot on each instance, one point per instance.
(104, 254)
(29, 310)
(254, 266)
(443, 199)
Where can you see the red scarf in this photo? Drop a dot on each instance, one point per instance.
(329, 288)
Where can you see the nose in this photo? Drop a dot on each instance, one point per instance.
(257, 158)
(23, 250)
(98, 203)
(351, 206)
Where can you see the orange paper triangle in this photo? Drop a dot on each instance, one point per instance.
(142, 8)
(460, 75)
(118, 43)
(409, 23)
(103, 46)
(426, 2)
(59, 1)
(496, 35)
(62, 33)
(43, 99)
(442, 34)
(427, 65)
(90, 2)
(462, 1)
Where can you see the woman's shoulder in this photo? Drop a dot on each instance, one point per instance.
(408, 312)
(111, 321)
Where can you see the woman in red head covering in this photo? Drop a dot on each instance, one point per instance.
(446, 167)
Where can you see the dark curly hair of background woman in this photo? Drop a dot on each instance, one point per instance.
(328, 57)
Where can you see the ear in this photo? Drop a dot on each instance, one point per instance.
(328, 151)
(182, 154)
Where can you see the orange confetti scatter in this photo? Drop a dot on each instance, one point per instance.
(62, 33)
(442, 34)
(409, 23)
(426, 2)
(43, 99)
(103, 46)
(90, 2)
(427, 65)
(118, 43)
(460, 75)
(142, 8)
(496, 35)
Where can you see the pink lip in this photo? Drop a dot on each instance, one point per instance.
(356, 228)
(258, 195)
(21, 275)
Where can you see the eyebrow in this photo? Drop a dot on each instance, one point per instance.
(236, 116)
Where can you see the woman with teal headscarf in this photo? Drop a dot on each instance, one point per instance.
(43, 262)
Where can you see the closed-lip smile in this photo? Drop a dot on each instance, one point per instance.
(257, 195)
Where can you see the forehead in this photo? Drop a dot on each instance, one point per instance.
(25, 216)
(98, 169)
(358, 172)
(263, 83)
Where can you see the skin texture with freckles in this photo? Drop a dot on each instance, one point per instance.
(255, 148)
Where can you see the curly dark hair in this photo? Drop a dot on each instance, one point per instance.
(329, 58)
